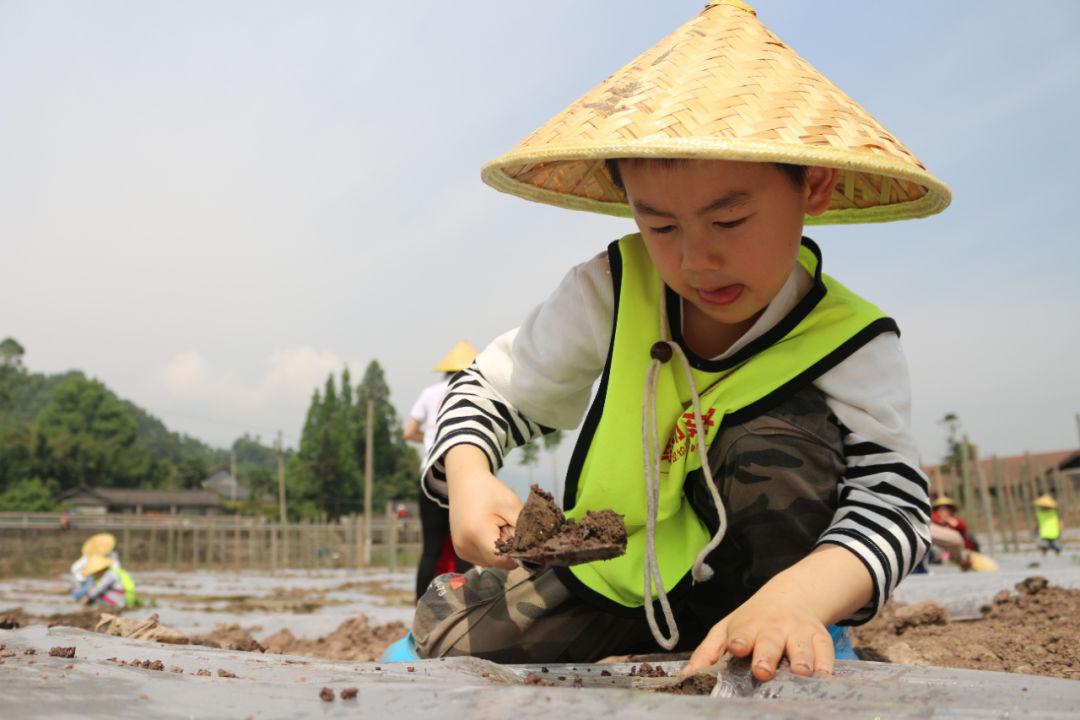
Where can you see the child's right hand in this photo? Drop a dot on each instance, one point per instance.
(480, 504)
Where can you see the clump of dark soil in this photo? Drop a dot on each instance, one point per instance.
(697, 684)
(647, 670)
(145, 664)
(225, 673)
(1032, 631)
(349, 693)
(327, 694)
(63, 652)
(544, 536)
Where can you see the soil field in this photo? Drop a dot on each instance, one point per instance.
(1032, 629)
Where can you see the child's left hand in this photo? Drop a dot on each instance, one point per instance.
(770, 628)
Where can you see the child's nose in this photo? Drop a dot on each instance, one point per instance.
(701, 252)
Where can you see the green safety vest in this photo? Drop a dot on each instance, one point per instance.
(128, 584)
(1049, 523)
(607, 467)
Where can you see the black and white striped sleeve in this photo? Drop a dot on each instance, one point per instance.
(474, 413)
(883, 512)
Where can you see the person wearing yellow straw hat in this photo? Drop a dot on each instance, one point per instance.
(98, 544)
(948, 532)
(437, 551)
(107, 587)
(1049, 522)
(776, 494)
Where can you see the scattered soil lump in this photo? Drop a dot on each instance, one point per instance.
(64, 652)
(543, 534)
(647, 670)
(697, 684)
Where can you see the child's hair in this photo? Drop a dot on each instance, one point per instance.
(796, 173)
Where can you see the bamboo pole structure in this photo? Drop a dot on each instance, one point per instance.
(1006, 489)
(369, 475)
(988, 515)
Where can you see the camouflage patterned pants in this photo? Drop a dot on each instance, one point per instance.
(778, 476)
(518, 617)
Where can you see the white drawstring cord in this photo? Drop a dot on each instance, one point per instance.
(651, 444)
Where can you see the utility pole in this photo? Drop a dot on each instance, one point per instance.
(281, 495)
(232, 472)
(369, 474)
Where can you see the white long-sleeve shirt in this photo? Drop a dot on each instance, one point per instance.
(540, 376)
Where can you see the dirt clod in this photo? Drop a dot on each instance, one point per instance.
(327, 694)
(647, 670)
(697, 684)
(64, 652)
(544, 536)
(349, 693)
(29, 651)
(1031, 632)
(225, 673)
(203, 672)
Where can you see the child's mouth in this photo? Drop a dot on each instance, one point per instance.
(722, 295)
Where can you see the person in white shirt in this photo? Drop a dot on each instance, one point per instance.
(437, 553)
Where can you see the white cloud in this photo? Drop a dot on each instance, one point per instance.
(289, 374)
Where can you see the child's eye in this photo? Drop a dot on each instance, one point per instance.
(731, 224)
(663, 229)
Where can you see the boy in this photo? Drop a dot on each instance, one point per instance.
(777, 490)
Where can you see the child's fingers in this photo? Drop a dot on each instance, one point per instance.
(768, 649)
(800, 653)
(710, 649)
(824, 652)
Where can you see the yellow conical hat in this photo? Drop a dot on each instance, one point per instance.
(100, 544)
(1045, 501)
(723, 87)
(96, 563)
(457, 359)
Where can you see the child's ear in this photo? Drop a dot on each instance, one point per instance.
(820, 183)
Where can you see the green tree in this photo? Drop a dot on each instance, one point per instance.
(955, 451)
(92, 439)
(11, 353)
(28, 495)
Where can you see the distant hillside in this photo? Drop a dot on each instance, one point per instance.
(64, 430)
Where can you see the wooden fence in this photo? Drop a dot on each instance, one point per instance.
(32, 544)
(998, 503)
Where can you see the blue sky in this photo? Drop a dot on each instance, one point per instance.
(211, 205)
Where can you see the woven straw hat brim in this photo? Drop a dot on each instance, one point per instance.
(1046, 501)
(100, 544)
(944, 501)
(721, 87)
(457, 359)
(96, 563)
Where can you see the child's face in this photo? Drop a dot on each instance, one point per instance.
(723, 235)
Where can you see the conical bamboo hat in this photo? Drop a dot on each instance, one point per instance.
(724, 87)
(457, 359)
(1045, 501)
(100, 544)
